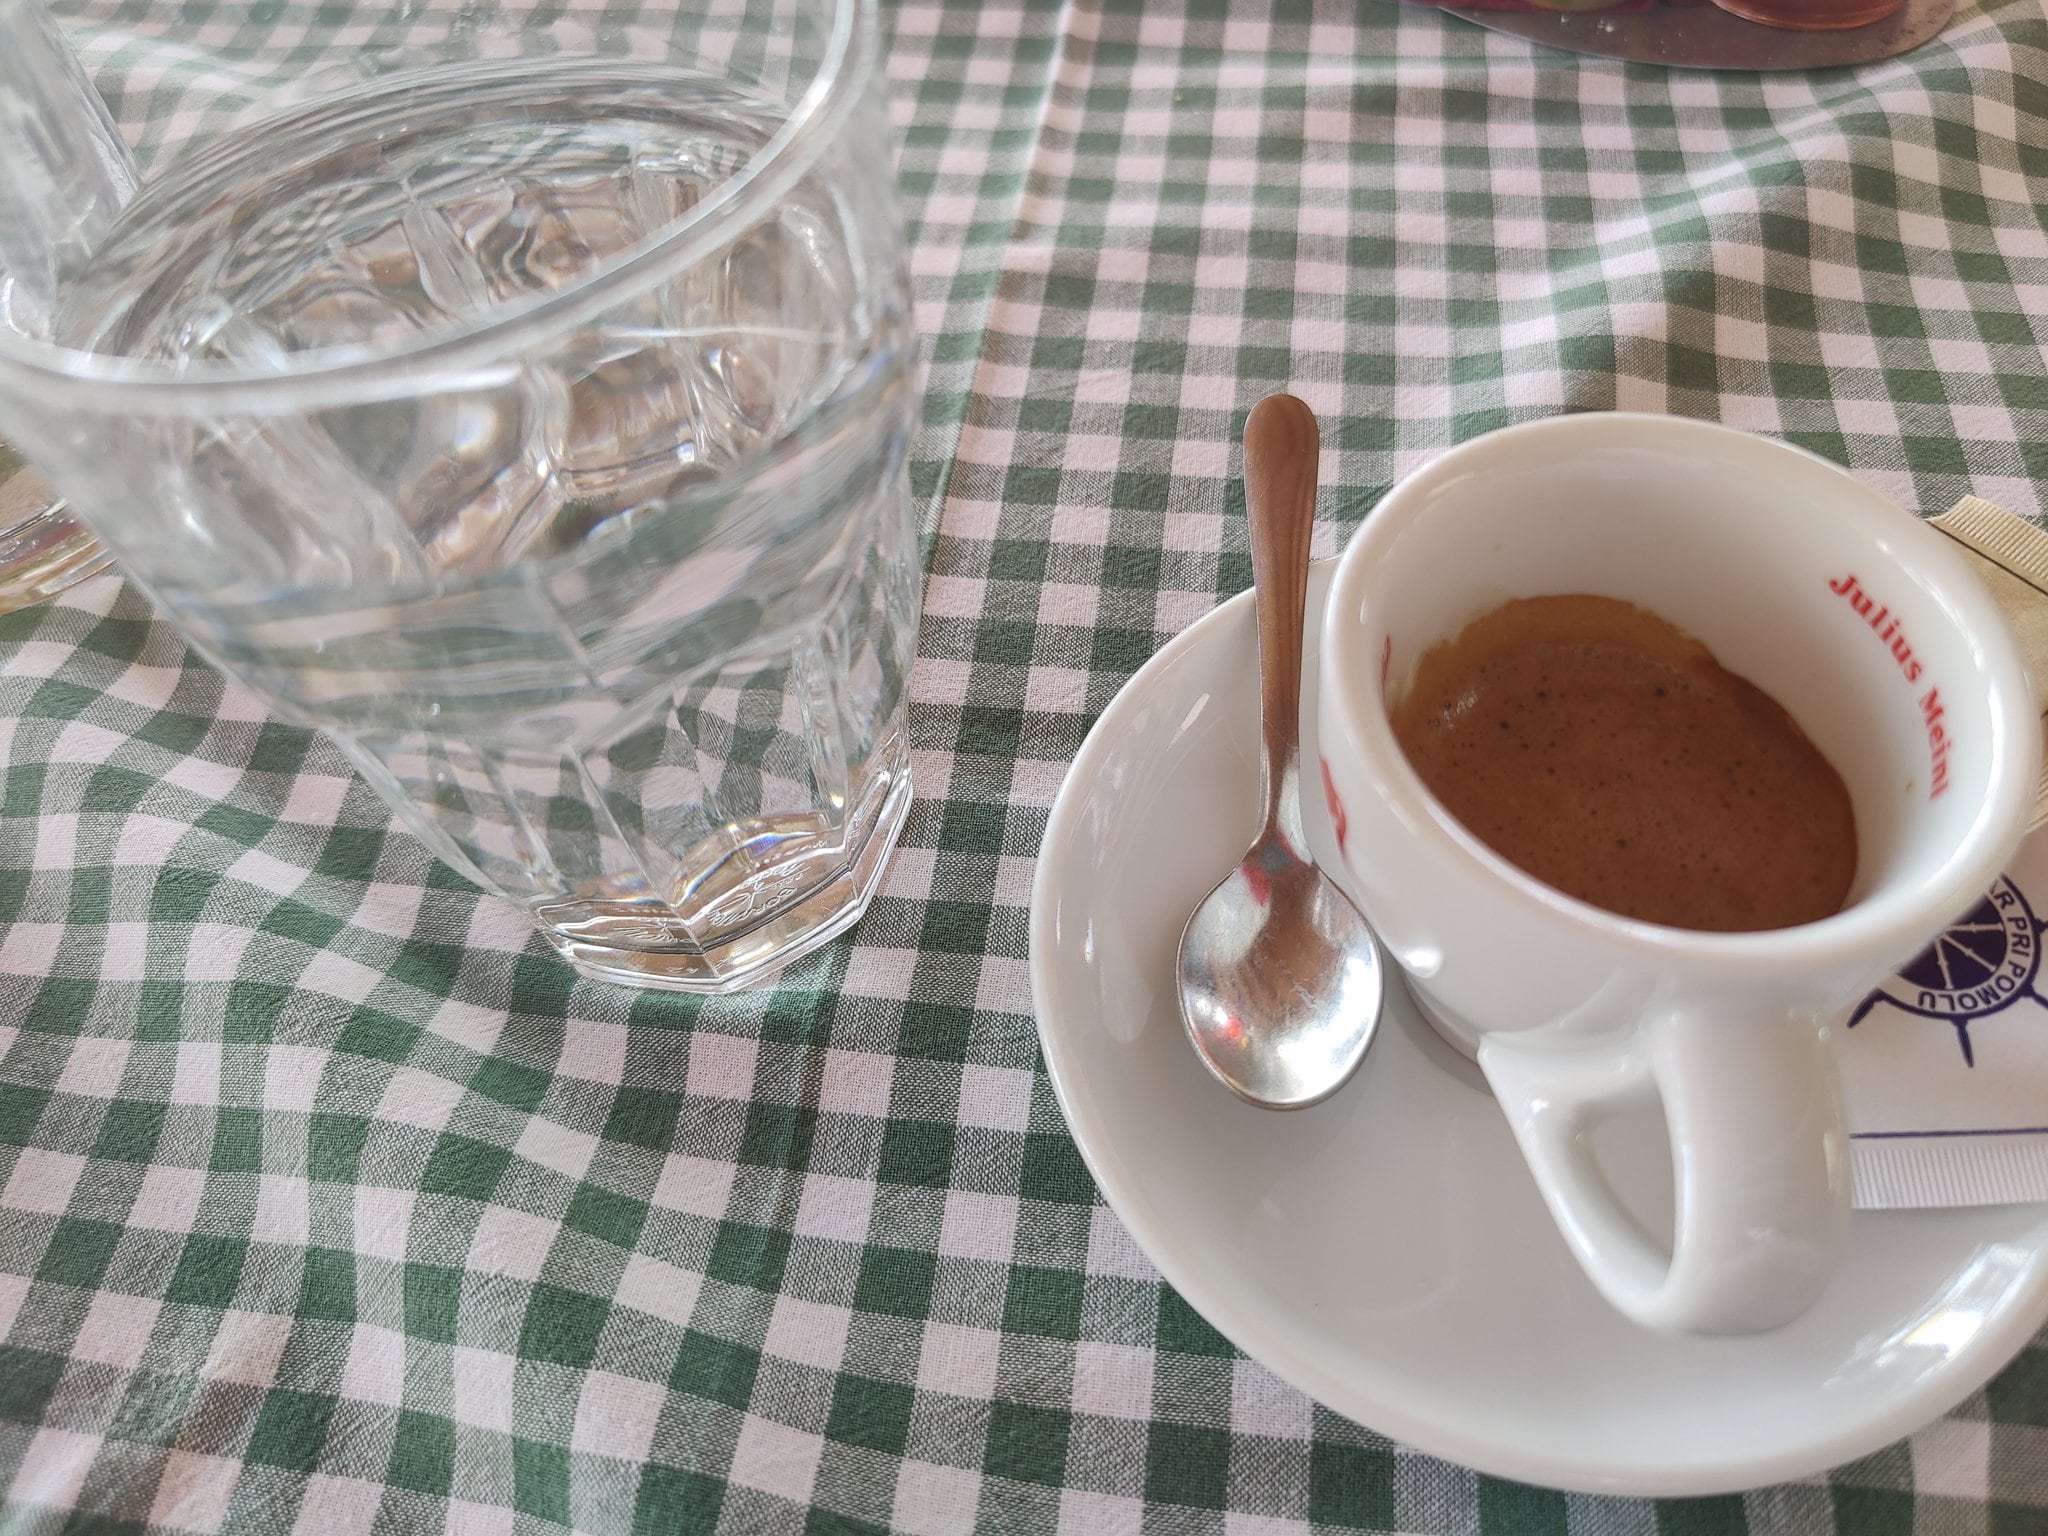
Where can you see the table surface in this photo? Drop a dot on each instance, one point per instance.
(331, 1202)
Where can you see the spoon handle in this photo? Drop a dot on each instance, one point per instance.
(1281, 450)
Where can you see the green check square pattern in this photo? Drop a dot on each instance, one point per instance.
(331, 1203)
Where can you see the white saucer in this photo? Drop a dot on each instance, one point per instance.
(1386, 1252)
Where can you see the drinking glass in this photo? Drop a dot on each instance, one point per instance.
(43, 549)
(525, 404)
(1812, 15)
(64, 176)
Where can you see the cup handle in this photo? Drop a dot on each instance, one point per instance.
(1758, 1152)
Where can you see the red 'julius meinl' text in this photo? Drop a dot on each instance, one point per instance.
(1886, 626)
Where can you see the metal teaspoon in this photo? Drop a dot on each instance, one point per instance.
(1280, 979)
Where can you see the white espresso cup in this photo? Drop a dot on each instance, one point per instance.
(1877, 639)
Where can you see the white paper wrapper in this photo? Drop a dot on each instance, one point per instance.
(1945, 1068)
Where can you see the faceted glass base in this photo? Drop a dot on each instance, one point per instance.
(42, 551)
(623, 944)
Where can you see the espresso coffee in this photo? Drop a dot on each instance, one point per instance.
(1607, 753)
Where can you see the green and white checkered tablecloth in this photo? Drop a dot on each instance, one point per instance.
(331, 1202)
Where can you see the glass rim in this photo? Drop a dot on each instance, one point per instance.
(471, 354)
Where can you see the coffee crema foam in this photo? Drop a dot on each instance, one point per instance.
(1607, 753)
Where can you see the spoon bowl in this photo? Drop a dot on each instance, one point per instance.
(1281, 981)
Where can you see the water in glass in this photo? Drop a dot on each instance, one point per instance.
(620, 617)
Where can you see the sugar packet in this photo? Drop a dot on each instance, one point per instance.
(1945, 1066)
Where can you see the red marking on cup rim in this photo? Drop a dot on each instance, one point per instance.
(1336, 804)
(1886, 626)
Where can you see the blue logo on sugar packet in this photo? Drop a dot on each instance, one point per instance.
(1982, 964)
